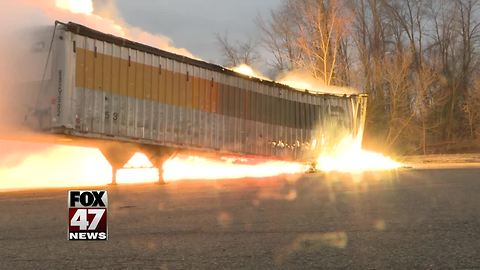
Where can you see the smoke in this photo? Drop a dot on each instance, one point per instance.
(249, 71)
(304, 80)
(22, 64)
(108, 20)
(24, 20)
(299, 79)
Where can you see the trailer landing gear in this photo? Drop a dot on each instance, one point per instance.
(157, 156)
(118, 154)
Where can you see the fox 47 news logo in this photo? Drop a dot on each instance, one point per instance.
(87, 215)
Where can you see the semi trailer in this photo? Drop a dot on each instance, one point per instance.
(122, 96)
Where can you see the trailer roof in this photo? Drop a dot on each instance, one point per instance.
(95, 34)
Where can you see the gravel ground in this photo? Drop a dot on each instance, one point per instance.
(408, 219)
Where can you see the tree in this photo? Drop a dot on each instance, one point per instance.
(240, 53)
(309, 35)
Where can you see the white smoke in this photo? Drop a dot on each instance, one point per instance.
(21, 21)
(303, 80)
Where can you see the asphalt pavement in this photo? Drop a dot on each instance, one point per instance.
(405, 219)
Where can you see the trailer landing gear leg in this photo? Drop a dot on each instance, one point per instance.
(117, 154)
(158, 163)
(158, 156)
(114, 176)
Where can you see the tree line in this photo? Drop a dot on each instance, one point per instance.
(418, 60)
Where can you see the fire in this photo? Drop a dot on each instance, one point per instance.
(303, 80)
(34, 165)
(348, 156)
(137, 170)
(297, 84)
(67, 166)
(247, 70)
(76, 6)
(45, 166)
(194, 167)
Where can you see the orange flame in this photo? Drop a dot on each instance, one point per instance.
(137, 170)
(249, 71)
(194, 167)
(34, 165)
(68, 166)
(348, 156)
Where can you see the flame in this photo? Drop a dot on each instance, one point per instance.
(249, 71)
(187, 167)
(303, 80)
(38, 165)
(348, 156)
(300, 85)
(194, 167)
(76, 6)
(137, 170)
(67, 166)
(34, 165)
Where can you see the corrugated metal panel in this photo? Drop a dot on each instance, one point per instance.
(182, 117)
(255, 119)
(270, 118)
(267, 119)
(237, 122)
(305, 124)
(163, 74)
(217, 123)
(131, 102)
(123, 91)
(107, 84)
(150, 97)
(79, 80)
(197, 84)
(259, 116)
(202, 121)
(89, 79)
(298, 130)
(169, 89)
(221, 123)
(140, 96)
(251, 118)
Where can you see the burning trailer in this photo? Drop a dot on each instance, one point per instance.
(122, 96)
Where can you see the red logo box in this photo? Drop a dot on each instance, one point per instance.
(87, 215)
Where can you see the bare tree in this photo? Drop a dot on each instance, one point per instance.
(322, 27)
(396, 73)
(472, 110)
(240, 53)
(279, 37)
(309, 35)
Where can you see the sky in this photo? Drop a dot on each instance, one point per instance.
(193, 24)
